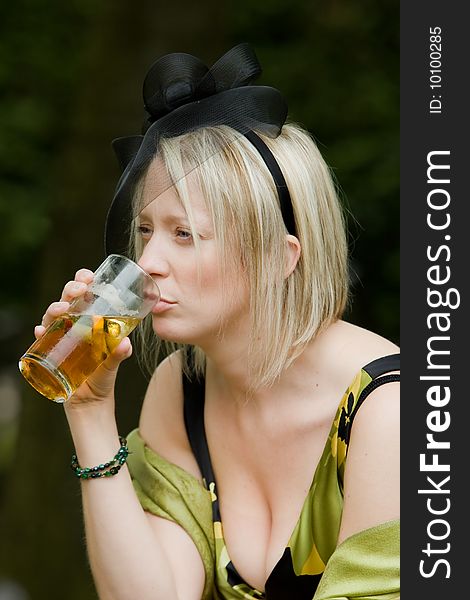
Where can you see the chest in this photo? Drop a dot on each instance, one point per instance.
(264, 468)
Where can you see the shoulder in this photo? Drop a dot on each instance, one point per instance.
(372, 468)
(348, 348)
(377, 421)
(371, 471)
(379, 413)
(363, 345)
(161, 423)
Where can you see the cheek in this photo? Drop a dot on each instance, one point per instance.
(201, 281)
(204, 276)
(209, 277)
(212, 288)
(234, 294)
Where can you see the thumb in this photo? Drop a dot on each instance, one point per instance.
(120, 353)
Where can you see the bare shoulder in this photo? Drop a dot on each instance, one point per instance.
(366, 345)
(379, 413)
(372, 473)
(371, 478)
(377, 419)
(347, 348)
(161, 423)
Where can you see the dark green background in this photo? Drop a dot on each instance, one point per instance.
(70, 79)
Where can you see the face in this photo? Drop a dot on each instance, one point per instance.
(196, 294)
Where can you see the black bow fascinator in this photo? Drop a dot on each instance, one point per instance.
(181, 94)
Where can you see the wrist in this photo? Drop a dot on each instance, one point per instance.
(83, 412)
(94, 434)
(104, 469)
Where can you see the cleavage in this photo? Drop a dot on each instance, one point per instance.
(259, 516)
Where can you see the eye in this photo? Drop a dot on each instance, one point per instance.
(184, 235)
(145, 231)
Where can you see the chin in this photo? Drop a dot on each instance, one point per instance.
(182, 335)
(172, 334)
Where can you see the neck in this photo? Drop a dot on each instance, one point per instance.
(228, 367)
(228, 363)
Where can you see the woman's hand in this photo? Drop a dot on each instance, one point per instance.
(99, 387)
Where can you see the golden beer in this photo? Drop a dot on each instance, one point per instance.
(72, 347)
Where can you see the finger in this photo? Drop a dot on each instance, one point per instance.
(84, 275)
(54, 310)
(121, 352)
(39, 331)
(72, 290)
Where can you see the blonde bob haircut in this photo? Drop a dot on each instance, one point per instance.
(286, 312)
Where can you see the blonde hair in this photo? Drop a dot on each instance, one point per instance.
(286, 312)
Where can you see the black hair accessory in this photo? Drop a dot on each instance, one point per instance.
(181, 94)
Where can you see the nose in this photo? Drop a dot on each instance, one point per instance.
(153, 259)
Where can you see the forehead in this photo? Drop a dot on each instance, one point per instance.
(160, 194)
(156, 181)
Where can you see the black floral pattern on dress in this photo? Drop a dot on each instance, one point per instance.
(344, 427)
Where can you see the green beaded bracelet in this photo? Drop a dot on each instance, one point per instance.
(107, 469)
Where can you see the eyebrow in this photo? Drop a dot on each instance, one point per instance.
(169, 217)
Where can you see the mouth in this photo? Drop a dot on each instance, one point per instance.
(162, 305)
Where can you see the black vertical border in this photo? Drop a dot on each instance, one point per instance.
(423, 132)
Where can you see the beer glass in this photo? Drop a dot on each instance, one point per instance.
(77, 342)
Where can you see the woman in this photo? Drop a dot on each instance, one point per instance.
(247, 422)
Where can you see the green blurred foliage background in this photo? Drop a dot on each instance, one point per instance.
(70, 76)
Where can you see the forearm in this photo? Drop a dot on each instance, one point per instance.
(126, 558)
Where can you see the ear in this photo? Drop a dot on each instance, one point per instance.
(293, 250)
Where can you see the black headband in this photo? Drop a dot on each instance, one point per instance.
(281, 185)
(181, 94)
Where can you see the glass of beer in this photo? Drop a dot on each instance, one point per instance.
(76, 343)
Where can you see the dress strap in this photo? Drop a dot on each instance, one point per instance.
(193, 407)
(377, 369)
(383, 365)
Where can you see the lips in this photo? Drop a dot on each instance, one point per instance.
(162, 305)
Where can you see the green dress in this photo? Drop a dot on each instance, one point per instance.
(364, 566)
